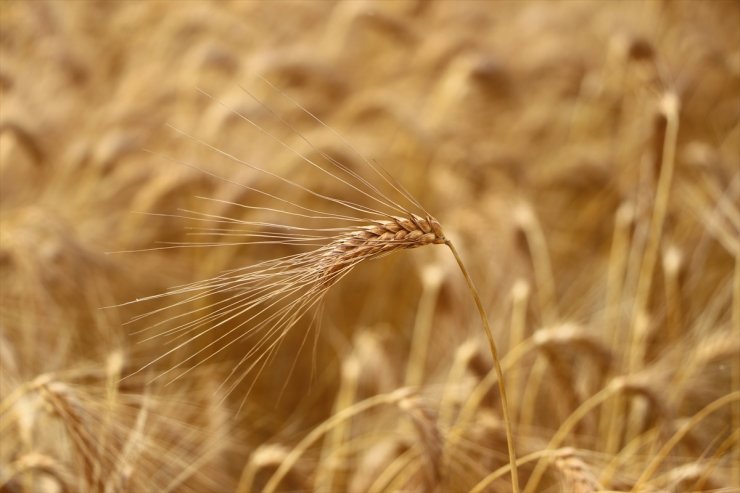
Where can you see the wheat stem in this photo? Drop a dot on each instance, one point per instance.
(565, 428)
(661, 455)
(497, 366)
(501, 471)
(735, 379)
(347, 413)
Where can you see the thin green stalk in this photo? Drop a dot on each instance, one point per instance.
(497, 366)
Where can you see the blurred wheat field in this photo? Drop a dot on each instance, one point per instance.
(583, 155)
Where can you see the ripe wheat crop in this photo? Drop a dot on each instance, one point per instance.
(286, 329)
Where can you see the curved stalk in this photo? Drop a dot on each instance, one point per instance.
(496, 364)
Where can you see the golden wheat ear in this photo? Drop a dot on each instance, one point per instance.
(265, 301)
(379, 239)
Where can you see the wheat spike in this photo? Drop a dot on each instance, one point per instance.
(402, 232)
(263, 302)
(378, 239)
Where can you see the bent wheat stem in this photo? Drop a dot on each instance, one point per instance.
(496, 364)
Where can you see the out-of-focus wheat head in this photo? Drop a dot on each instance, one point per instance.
(584, 155)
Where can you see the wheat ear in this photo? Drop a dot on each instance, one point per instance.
(376, 240)
(295, 284)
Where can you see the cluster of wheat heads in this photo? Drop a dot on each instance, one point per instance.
(557, 170)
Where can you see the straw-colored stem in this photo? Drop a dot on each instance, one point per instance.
(611, 424)
(575, 417)
(669, 108)
(728, 444)
(660, 209)
(422, 333)
(497, 366)
(520, 300)
(735, 379)
(661, 455)
(339, 434)
(326, 426)
(501, 471)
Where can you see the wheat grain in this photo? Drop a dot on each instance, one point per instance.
(375, 240)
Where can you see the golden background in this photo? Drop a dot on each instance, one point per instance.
(540, 134)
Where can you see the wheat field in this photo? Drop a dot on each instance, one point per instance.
(209, 221)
